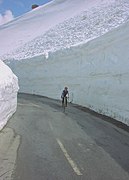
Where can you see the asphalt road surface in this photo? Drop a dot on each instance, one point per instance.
(53, 145)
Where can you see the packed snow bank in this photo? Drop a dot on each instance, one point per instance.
(96, 73)
(8, 93)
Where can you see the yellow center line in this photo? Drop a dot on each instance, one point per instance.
(71, 162)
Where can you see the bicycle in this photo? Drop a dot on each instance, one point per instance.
(64, 103)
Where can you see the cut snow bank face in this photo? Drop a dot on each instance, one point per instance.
(8, 93)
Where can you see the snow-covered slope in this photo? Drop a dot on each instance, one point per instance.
(8, 93)
(60, 24)
(97, 74)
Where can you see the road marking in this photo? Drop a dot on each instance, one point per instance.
(50, 125)
(71, 162)
(20, 104)
(30, 105)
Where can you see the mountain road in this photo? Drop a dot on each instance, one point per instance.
(53, 145)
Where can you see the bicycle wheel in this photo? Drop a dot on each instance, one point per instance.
(65, 103)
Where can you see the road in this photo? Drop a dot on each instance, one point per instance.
(52, 145)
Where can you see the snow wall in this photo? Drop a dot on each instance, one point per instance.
(96, 73)
(8, 93)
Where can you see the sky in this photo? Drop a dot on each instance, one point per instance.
(9, 9)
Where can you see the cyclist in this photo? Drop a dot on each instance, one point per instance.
(65, 94)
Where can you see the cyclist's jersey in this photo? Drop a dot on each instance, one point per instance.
(64, 93)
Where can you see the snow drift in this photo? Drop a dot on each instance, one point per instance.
(8, 93)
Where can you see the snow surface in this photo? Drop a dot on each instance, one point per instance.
(60, 24)
(8, 93)
(97, 74)
(60, 44)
